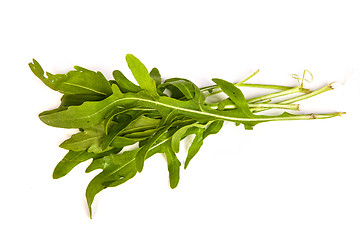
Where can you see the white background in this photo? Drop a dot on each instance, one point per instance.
(285, 180)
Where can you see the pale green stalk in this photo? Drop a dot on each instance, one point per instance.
(294, 90)
(309, 95)
(302, 97)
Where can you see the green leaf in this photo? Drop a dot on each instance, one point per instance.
(38, 71)
(142, 154)
(125, 84)
(116, 130)
(195, 145)
(78, 99)
(117, 169)
(89, 138)
(200, 134)
(235, 95)
(213, 128)
(72, 159)
(120, 141)
(86, 115)
(173, 166)
(84, 81)
(155, 75)
(108, 121)
(142, 134)
(81, 81)
(141, 124)
(178, 135)
(142, 75)
(179, 88)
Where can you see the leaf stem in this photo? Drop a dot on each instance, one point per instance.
(251, 85)
(309, 95)
(302, 97)
(258, 106)
(242, 83)
(298, 89)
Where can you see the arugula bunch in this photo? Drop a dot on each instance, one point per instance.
(154, 116)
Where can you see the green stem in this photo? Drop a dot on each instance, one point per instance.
(251, 85)
(211, 88)
(309, 95)
(297, 89)
(242, 83)
(258, 106)
(302, 97)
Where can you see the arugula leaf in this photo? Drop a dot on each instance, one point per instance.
(125, 84)
(38, 71)
(142, 75)
(78, 99)
(117, 169)
(179, 88)
(195, 145)
(81, 81)
(235, 95)
(155, 75)
(89, 137)
(141, 124)
(86, 115)
(178, 135)
(173, 166)
(123, 141)
(213, 128)
(142, 154)
(73, 158)
(115, 131)
(200, 135)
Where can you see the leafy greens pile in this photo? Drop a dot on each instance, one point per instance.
(154, 116)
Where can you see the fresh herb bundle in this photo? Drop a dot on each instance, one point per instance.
(154, 116)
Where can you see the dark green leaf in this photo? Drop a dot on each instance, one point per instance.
(179, 87)
(173, 166)
(142, 134)
(155, 75)
(120, 142)
(117, 169)
(235, 95)
(213, 128)
(115, 131)
(142, 154)
(195, 145)
(178, 135)
(125, 84)
(78, 99)
(140, 124)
